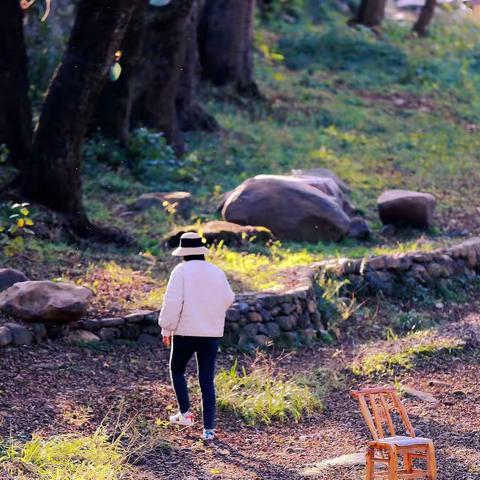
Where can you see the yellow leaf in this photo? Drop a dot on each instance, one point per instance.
(28, 222)
(214, 471)
(24, 211)
(20, 223)
(279, 77)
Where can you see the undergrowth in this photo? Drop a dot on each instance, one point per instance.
(264, 396)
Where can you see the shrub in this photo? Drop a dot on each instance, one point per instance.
(260, 397)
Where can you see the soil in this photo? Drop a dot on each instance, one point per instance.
(57, 388)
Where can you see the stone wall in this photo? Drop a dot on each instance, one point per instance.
(288, 318)
(402, 274)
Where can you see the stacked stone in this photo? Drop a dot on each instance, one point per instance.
(260, 320)
(395, 274)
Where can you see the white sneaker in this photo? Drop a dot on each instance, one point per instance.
(208, 435)
(185, 419)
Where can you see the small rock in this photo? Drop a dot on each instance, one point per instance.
(286, 323)
(82, 336)
(439, 306)
(254, 317)
(111, 322)
(10, 276)
(232, 315)
(242, 307)
(183, 201)
(108, 334)
(290, 338)
(250, 330)
(138, 316)
(262, 340)
(388, 231)
(358, 229)
(6, 337)
(20, 334)
(419, 395)
(146, 339)
(39, 331)
(273, 330)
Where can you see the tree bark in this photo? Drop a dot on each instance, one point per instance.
(226, 44)
(53, 175)
(15, 109)
(162, 62)
(113, 109)
(370, 13)
(425, 17)
(191, 114)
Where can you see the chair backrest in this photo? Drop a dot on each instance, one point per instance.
(377, 405)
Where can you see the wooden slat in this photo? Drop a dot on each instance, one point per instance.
(391, 427)
(367, 416)
(376, 415)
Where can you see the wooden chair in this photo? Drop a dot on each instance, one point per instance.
(377, 406)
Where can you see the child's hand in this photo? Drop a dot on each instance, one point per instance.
(167, 341)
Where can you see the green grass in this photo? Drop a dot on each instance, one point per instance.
(65, 457)
(402, 355)
(263, 396)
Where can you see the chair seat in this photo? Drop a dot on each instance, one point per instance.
(400, 441)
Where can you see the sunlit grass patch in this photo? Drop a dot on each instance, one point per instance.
(65, 457)
(402, 353)
(264, 396)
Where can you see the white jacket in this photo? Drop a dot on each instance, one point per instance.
(197, 297)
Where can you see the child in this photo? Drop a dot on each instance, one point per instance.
(192, 321)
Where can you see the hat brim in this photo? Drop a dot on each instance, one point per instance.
(183, 251)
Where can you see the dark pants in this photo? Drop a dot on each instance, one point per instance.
(205, 350)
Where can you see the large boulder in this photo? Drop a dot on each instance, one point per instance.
(215, 232)
(406, 208)
(180, 202)
(293, 208)
(45, 300)
(10, 276)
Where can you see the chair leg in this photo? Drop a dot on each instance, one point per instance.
(392, 465)
(407, 460)
(370, 468)
(431, 462)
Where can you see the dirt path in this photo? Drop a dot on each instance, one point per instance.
(55, 388)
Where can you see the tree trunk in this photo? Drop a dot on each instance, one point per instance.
(191, 114)
(226, 44)
(113, 109)
(15, 110)
(425, 17)
(162, 62)
(53, 175)
(370, 13)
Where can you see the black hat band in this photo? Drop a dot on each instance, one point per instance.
(191, 242)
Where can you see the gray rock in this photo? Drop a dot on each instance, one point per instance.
(359, 229)
(10, 276)
(137, 316)
(45, 300)
(242, 307)
(406, 208)
(380, 281)
(273, 330)
(250, 330)
(266, 315)
(82, 336)
(110, 322)
(146, 339)
(286, 322)
(323, 173)
(312, 306)
(288, 308)
(308, 335)
(290, 338)
(242, 321)
(291, 208)
(183, 201)
(153, 329)
(20, 335)
(108, 334)
(232, 315)
(39, 331)
(254, 317)
(304, 320)
(388, 231)
(262, 340)
(6, 337)
(227, 233)
(130, 331)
